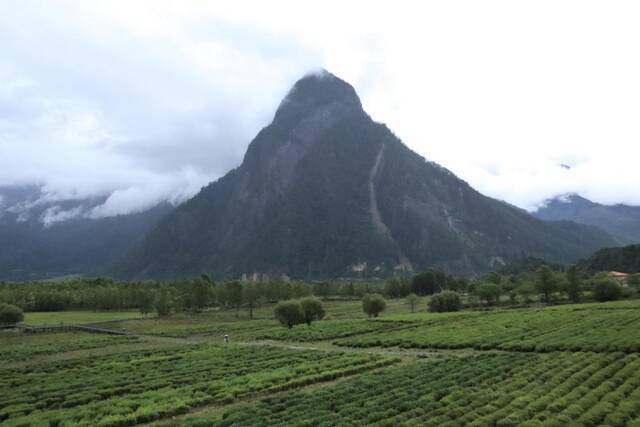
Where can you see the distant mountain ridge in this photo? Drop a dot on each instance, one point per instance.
(621, 221)
(43, 239)
(324, 191)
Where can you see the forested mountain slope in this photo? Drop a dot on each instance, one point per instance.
(35, 246)
(324, 191)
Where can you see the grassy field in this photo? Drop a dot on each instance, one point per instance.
(561, 365)
(77, 317)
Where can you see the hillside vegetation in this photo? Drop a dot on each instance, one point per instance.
(625, 259)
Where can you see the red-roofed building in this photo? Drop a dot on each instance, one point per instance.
(618, 275)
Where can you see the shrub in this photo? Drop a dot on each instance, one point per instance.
(445, 301)
(606, 290)
(312, 309)
(10, 314)
(634, 280)
(289, 313)
(373, 304)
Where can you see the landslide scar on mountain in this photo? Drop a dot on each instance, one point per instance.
(380, 226)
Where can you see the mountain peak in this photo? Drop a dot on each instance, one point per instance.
(314, 90)
(326, 192)
(621, 221)
(571, 198)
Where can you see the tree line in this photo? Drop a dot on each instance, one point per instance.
(549, 286)
(196, 294)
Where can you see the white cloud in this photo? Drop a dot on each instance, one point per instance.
(56, 214)
(147, 101)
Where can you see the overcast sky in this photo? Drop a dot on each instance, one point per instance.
(150, 100)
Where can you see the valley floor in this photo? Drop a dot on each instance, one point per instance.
(561, 365)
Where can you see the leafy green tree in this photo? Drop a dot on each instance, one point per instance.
(361, 289)
(546, 283)
(348, 290)
(494, 278)
(445, 301)
(373, 304)
(488, 292)
(28, 302)
(412, 301)
(606, 289)
(634, 280)
(289, 313)
(396, 287)
(163, 302)
(272, 290)
(509, 287)
(525, 290)
(233, 291)
(428, 282)
(146, 302)
(391, 287)
(573, 283)
(458, 284)
(250, 296)
(300, 289)
(200, 291)
(10, 314)
(323, 290)
(312, 309)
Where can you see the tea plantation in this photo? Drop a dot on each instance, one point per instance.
(504, 389)
(560, 365)
(551, 329)
(141, 386)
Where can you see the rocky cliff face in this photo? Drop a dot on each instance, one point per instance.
(324, 191)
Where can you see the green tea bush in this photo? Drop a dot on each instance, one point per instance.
(27, 346)
(589, 328)
(445, 301)
(329, 329)
(461, 390)
(143, 386)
